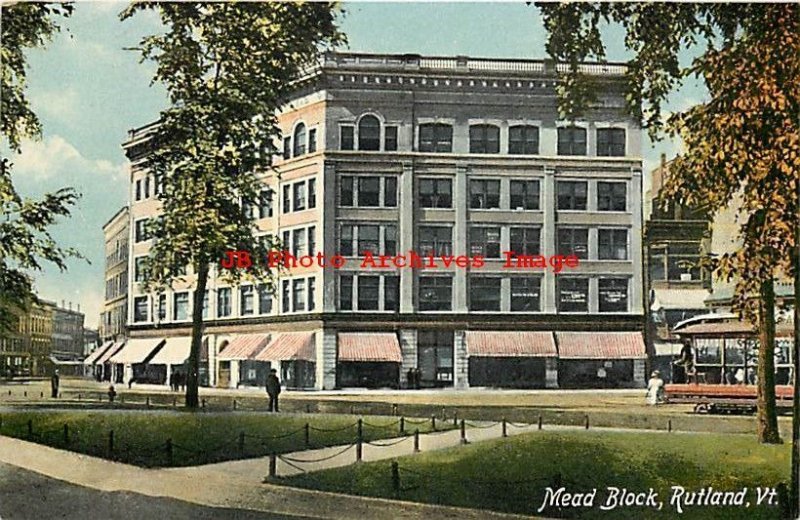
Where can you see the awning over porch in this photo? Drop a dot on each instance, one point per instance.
(289, 346)
(246, 346)
(174, 352)
(369, 347)
(99, 351)
(600, 345)
(137, 350)
(510, 344)
(108, 354)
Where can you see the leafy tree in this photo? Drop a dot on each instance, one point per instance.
(228, 68)
(744, 142)
(25, 242)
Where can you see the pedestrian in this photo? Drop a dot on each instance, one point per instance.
(172, 384)
(410, 378)
(417, 378)
(112, 393)
(273, 389)
(655, 389)
(54, 382)
(686, 360)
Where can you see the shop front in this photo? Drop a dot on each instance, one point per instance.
(503, 359)
(368, 360)
(600, 359)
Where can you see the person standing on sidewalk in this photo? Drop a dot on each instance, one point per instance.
(54, 382)
(273, 389)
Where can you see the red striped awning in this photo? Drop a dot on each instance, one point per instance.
(245, 346)
(510, 344)
(369, 347)
(600, 345)
(289, 346)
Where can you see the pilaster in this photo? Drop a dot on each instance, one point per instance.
(461, 235)
(406, 236)
(549, 239)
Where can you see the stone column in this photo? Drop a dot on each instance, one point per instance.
(328, 237)
(406, 236)
(408, 349)
(635, 200)
(551, 372)
(639, 372)
(326, 359)
(234, 382)
(460, 360)
(461, 236)
(548, 242)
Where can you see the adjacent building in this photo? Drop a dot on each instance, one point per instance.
(26, 350)
(441, 156)
(115, 307)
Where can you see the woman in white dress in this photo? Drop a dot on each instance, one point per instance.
(655, 389)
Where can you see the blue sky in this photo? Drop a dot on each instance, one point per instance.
(89, 91)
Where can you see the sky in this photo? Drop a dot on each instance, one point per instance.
(88, 91)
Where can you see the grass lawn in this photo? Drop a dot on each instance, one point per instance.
(140, 437)
(511, 475)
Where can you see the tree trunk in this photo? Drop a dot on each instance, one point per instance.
(795, 487)
(192, 375)
(767, 416)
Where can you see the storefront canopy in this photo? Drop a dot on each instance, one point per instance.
(246, 346)
(137, 350)
(369, 347)
(99, 351)
(510, 344)
(108, 354)
(600, 345)
(174, 352)
(289, 346)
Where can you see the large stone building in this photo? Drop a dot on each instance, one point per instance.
(441, 156)
(67, 342)
(115, 308)
(26, 350)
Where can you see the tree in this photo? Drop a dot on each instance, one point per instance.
(25, 242)
(228, 68)
(744, 142)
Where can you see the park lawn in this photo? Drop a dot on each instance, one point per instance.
(511, 475)
(140, 437)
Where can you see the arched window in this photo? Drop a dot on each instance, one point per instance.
(484, 139)
(369, 133)
(299, 140)
(523, 139)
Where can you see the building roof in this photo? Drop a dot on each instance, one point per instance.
(246, 346)
(606, 345)
(510, 344)
(369, 347)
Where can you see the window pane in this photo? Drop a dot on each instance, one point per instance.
(573, 294)
(369, 133)
(223, 302)
(369, 191)
(391, 293)
(484, 293)
(346, 137)
(390, 191)
(346, 191)
(435, 137)
(246, 300)
(299, 295)
(523, 140)
(368, 293)
(300, 140)
(368, 239)
(435, 293)
(524, 195)
(390, 139)
(525, 294)
(613, 294)
(346, 292)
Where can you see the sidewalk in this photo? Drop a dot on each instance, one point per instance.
(238, 484)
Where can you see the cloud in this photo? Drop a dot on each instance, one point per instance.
(54, 157)
(61, 104)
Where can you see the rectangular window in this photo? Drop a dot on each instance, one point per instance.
(435, 356)
(484, 139)
(264, 299)
(265, 204)
(435, 293)
(162, 307)
(573, 294)
(299, 242)
(138, 189)
(369, 189)
(147, 187)
(484, 241)
(180, 306)
(346, 191)
(287, 148)
(347, 246)
(612, 244)
(312, 289)
(484, 194)
(287, 198)
(312, 240)
(286, 241)
(523, 140)
(613, 294)
(572, 195)
(390, 139)
(299, 196)
(286, 297)
(141, 231)
(312, 140)
(247, 303)
(484, 293)
(204, 313)
(611, 196)
(525, 294)
(435, 240)
(391, 293)
(346, 137)
(524, 195)
(299, 295)
(368, 293)
(571, 141)
(139, 268)
(573, 241)
(611, 142)
(224, 302)
(435, 137)
(390, 240)
(312, 193)
(346, 292)
(436, 193)
(525, 241)
(368, 240)
(390, 192)
(140, 309)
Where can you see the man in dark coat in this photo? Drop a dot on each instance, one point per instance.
(54, 382)
(273, 389)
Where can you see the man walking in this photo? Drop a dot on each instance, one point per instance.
(54, 382)
(273, 389)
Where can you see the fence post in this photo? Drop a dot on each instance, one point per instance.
(587, 422)
(110, 441)
(147, 403)
(433, 422)
(30, 427)
(273, 465)
(203, 403)
(121, 398)
(169, 451)
(359, 441)
(308, 408)
(307, 435)
(241, 443)
(394, 409)
(505, 431)
(540, 421)
(352, 410)
(463, 432)
(79, 395)
(25, 393)
(402, 425)
(455, 419)
(174, 402)
(669, 425)
(396, 479)
(416, 441)
(234, 404)
(41, 395)
(66, 434)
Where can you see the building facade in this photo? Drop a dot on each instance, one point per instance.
(115, 307)
(26, 351)
(67, 344)
(455, 156)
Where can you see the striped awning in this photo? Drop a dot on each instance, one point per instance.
(369, 347)
(138, 350)
(245, 346)
(289, 346)
(105, 356)
(96, 353)
(510, 344)
(174, 352)
(600, 345)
